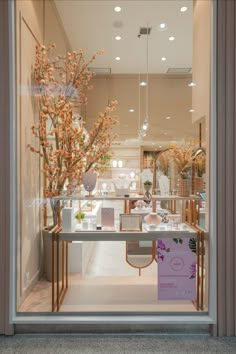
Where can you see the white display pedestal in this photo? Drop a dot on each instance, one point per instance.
(80, 252)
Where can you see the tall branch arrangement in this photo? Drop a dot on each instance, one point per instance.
(67, 150)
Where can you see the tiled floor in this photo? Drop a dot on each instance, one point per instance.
(110, 284)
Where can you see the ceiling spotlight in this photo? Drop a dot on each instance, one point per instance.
(163, 26)
(117, 58)
(192, 84)
(168, 117)
(171, 38)
(163, 58)
(131, 110)
(117, 9)
(143, 83)
(118, 38)
(191, 110)
(183, 9)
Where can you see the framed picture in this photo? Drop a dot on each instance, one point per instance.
(130, 222)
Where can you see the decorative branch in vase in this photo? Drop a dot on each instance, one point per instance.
(66, 148)
(182, 155)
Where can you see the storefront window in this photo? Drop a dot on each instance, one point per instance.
(113, 156)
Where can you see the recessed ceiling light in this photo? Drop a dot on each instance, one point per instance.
(143, 83)
(183, 9)
(131, 110)
(163, 26)
(171, 38)
(192, 84)
(117, 9)
(163, 58)
(168, 117)
(117, 58)
(160, 146)
(118, 38)
(191, 110)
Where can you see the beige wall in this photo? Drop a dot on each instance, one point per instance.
(37, 23)
(169, 95)
(201, 59)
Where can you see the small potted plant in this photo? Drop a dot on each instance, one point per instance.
(147, 185)
(80, 216)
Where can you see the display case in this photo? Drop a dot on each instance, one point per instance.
(146, 227)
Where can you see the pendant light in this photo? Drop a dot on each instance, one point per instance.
(145, 125)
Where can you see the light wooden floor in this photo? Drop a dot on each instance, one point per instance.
(109, 284)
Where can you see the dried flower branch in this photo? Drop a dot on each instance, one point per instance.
(200, 164)
(182, 155)
(66, 148)
(163, 159)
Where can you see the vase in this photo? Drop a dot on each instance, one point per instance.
(198, 184)
(183, 189)
(152, 219)
(47, 248)
(147, 187)
(89, 179)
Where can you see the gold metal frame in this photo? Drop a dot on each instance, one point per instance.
(60, 293)
(152, 259)
(131, 216)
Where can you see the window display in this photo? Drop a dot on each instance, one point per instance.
(110, 220)
(182, 259)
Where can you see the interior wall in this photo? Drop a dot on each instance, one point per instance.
(37, 23)
(201, 59)
(201, 72)
(169, 95)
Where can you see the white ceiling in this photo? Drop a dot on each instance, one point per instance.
(93, 25)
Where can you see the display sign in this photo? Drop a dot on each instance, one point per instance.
(108, 218)
(130, 222)
(176, 269)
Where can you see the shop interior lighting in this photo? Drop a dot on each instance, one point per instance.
(183, 9)
(145, 125)
(192, 84)
(163, 27)
(118, 38)
(117, 9)
(171, 38)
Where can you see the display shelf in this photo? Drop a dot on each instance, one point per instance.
(125, 235)
(131, 197)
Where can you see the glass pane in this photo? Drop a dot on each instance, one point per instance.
(113, 146)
